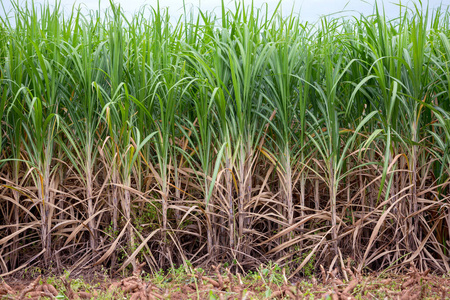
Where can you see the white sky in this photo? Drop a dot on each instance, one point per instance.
(310, 10)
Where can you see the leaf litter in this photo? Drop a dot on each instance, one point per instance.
(221, 283)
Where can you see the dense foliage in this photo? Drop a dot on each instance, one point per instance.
(240, 138)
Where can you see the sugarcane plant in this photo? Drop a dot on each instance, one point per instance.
(242, 136)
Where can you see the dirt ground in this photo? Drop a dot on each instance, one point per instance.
(220, 283)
